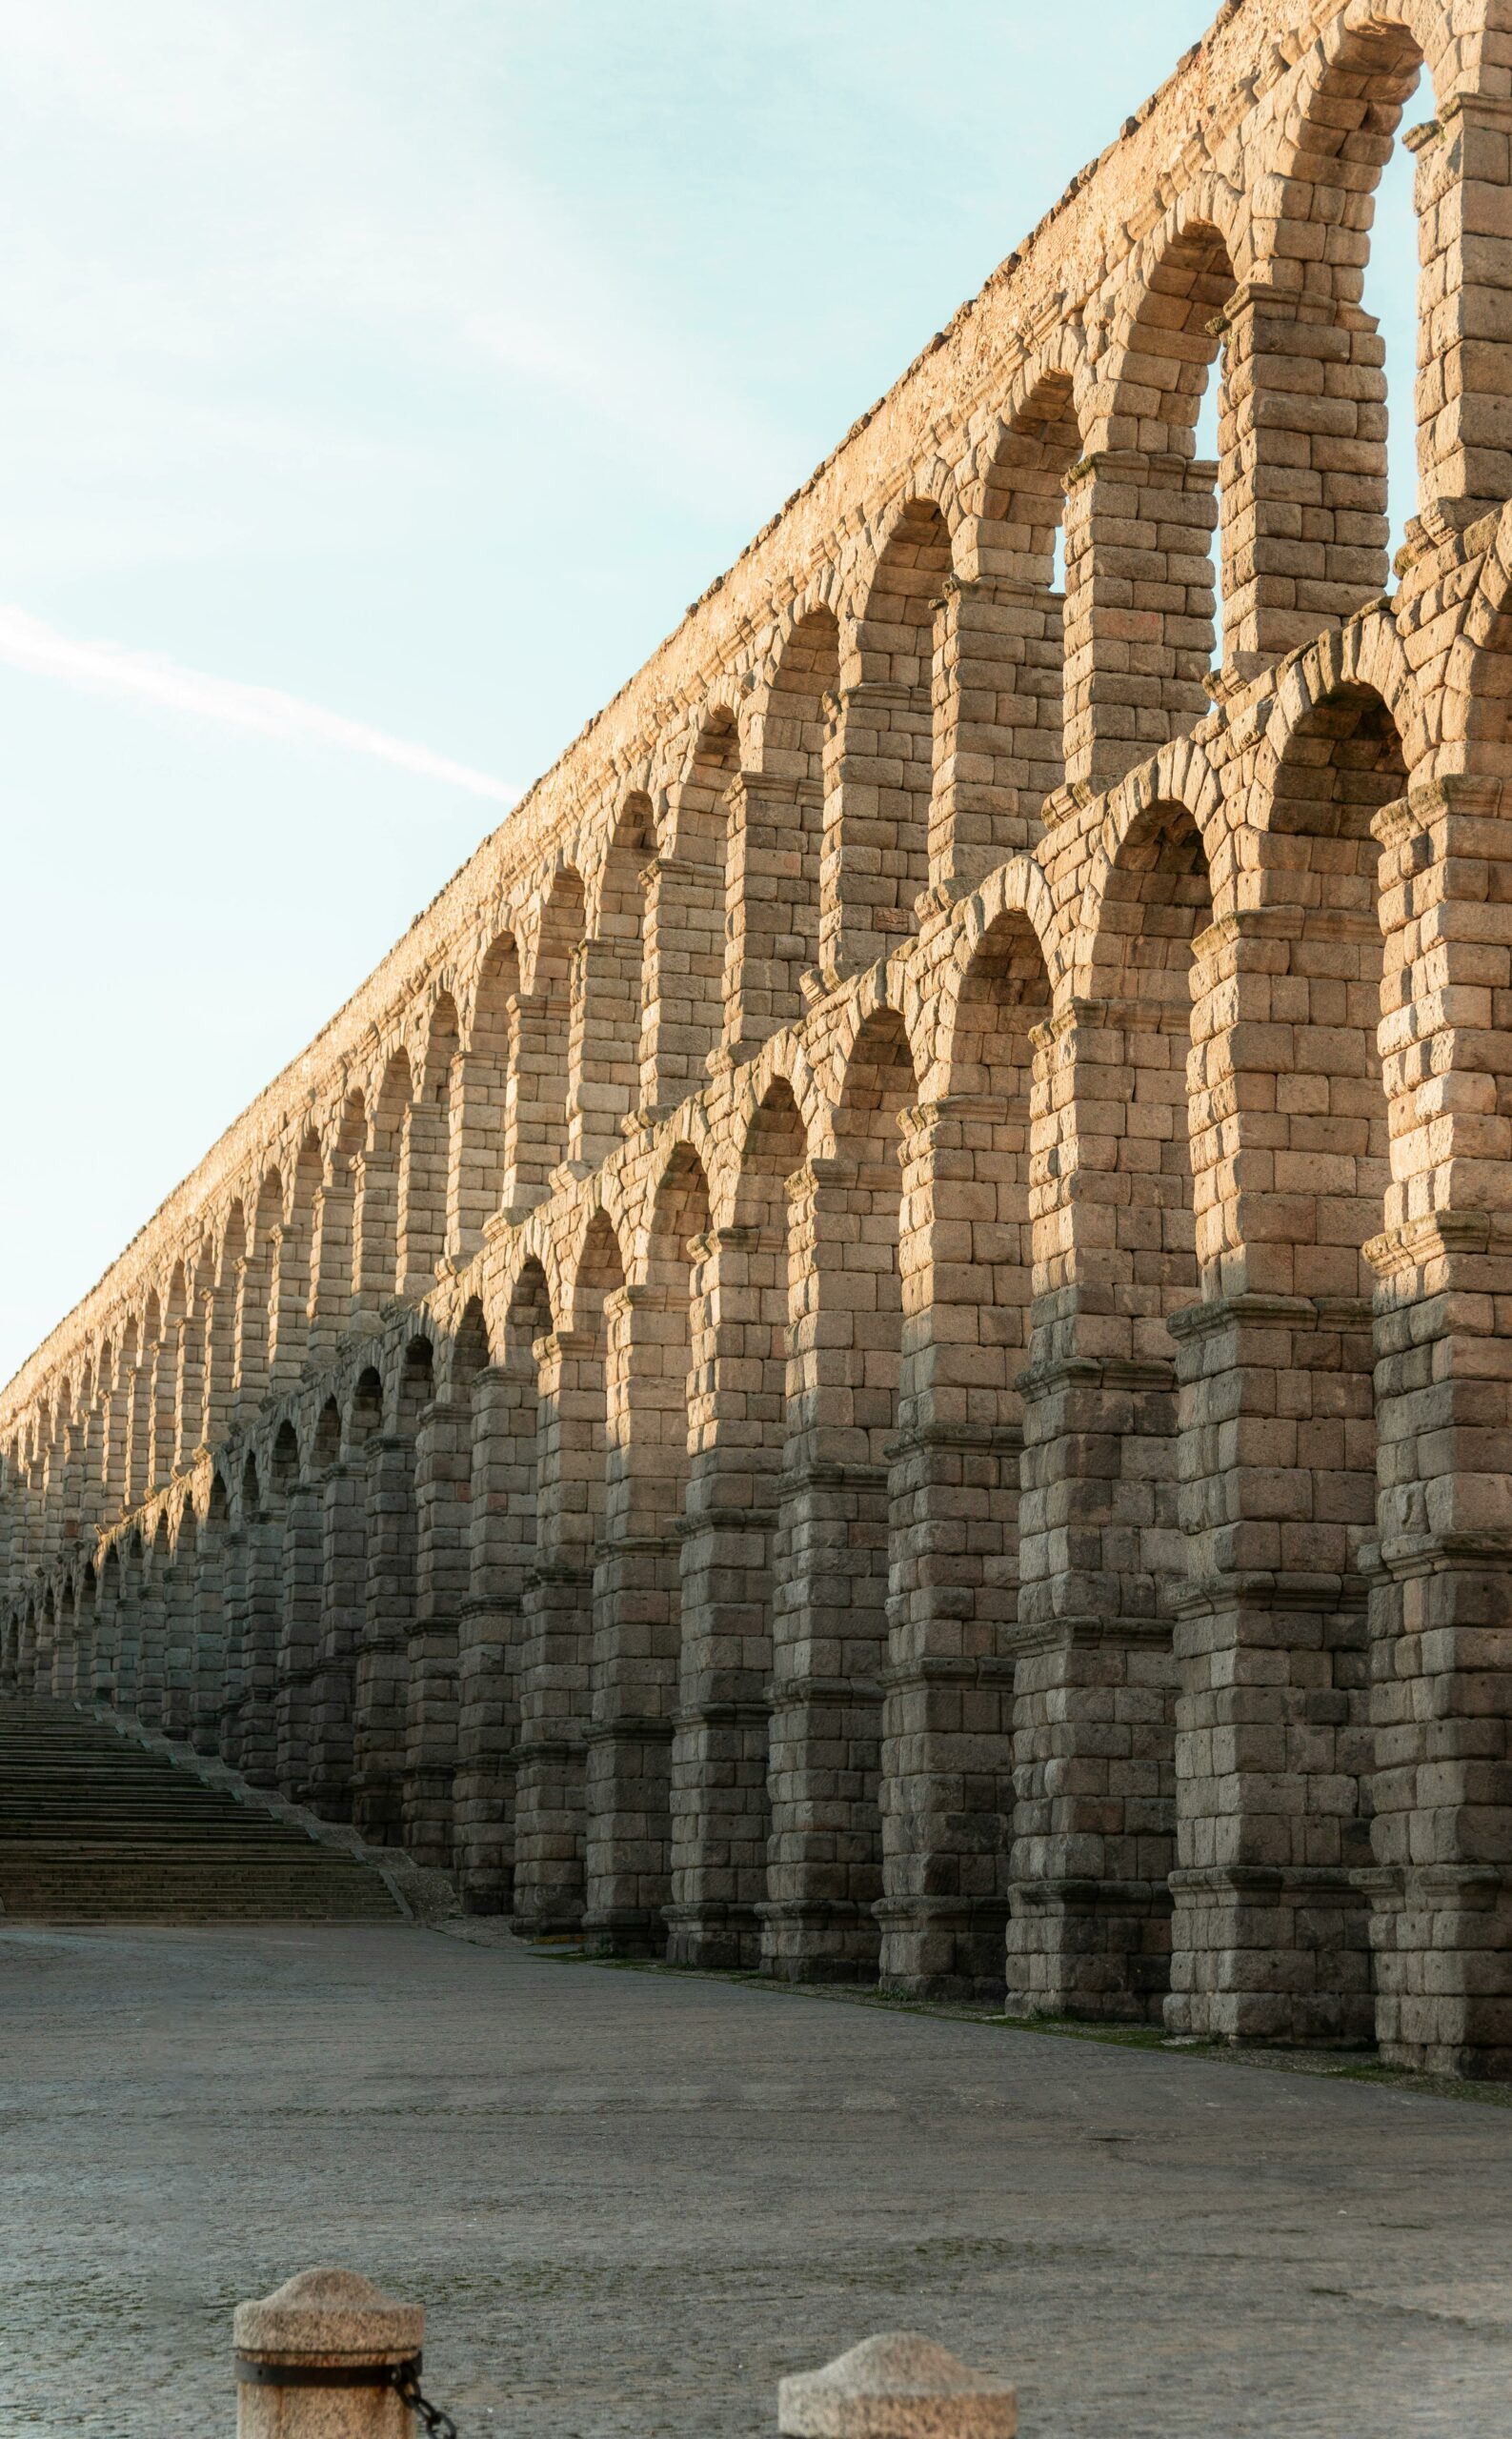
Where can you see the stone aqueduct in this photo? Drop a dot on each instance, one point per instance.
(882, 1344)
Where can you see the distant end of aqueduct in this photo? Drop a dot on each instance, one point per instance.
(881, 1346)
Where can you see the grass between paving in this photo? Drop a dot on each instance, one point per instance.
(1353, 2067)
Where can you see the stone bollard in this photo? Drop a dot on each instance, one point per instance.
(896, 2386)
(314, 2359)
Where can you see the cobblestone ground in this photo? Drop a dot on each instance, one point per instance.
(631, 2201)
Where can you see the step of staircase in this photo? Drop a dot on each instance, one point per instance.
(96, 1829)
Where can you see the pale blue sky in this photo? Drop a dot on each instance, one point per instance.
(419, 360)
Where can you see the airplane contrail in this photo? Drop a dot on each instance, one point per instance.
(114, 669)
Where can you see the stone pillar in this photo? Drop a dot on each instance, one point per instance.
(99, 1686)
(953, 1495)
(288, 1304)
(220, 1325)
(208, 1667)
(628, 1741)
(300, 1638)
(343, 1606)
(1303, 496)
(151, 1635)
(163, 1418)
(829, 1616)
(503, 1546)
(1268, 1936)
(13, 1527)
(1089, 1932)
(896, 2386)
(10, 1569)
(179, 1595)
(335, 2326)
(1464, 333)
(189, 1396)
(36, 1527)
(421, 1215)
(998, 685)
(878, 817)
(113, 1450)
(258, 1733)
(635, 1624)
(374, 1233)
(535, 1100)
(40, 1681)
(110, 1661)
(236, 1602)
(772, 899)
(38, 1675)
(443, 1469)
(28, 1525)
(23, 1676)
(55, 1664)
(250, 1369)
(331, 1261)
(605, 1083)
(475, 1173)
(84, 1492)
(70, 1657)
(85, 1629)
(684, 966)
(138, 1421)
(94, 1453)
(1441, 1887)
(1441, 1623)
(58, 1512)
(382, 1657)
(720, 1815)
(1278, 1482)
(1140, 604)
(556, 1636)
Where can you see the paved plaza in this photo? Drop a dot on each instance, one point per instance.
(631, 2201)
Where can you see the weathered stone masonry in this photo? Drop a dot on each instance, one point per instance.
(882, 1344)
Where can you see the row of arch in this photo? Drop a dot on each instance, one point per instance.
(908, 729)
(372, 1214)
(908, 724)
(700, 1586)
(816, 1394)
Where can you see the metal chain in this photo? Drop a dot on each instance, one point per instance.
(439, 2424)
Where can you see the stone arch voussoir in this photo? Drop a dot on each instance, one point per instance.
(1366, 653)
(619, 1194)
(1210, 202)
(936, 485)
(711, 1143)
(1063, 353)
(822, 593)
(1181, 774)
(535, 1246)
(878, 992)
(1016, 888)
(181, 1505)
(575, 1249)
(785, 1059)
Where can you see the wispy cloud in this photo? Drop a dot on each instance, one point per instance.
(99, 667)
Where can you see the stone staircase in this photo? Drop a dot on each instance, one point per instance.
(95, 1828)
